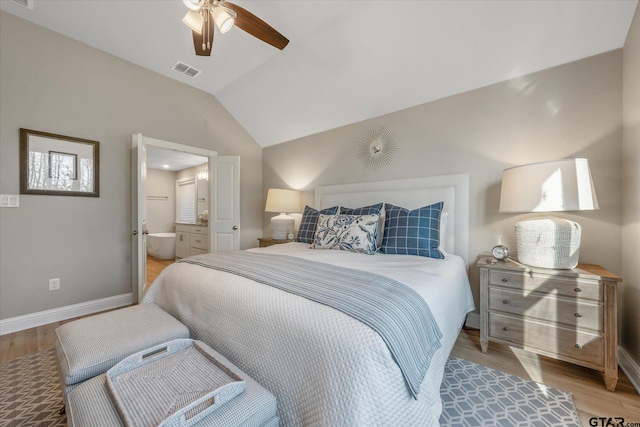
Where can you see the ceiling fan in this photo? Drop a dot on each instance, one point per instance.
(203, 14)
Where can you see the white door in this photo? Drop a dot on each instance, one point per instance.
(224, 196)
(139, 215)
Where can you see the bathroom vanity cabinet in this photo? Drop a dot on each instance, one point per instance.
(191, 239)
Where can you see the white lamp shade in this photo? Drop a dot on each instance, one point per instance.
(194, 20)
(561, 185)
(283, 201)
(222, 18)
(193, 4)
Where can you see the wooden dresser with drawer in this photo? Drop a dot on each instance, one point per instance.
(264, 242)
(565, 314)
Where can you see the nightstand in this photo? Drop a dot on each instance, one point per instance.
(263, 242)
(564, 314)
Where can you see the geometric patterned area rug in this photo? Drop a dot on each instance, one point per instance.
(475, 395)
(472, 395)
(30, 393)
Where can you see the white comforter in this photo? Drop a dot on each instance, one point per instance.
(324, 367)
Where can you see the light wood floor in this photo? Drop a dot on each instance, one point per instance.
(155, 267)
(586, 386)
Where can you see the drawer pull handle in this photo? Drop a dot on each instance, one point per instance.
(506, 301)
(505, 328)
(505, 280)
(578, 315)
(198, 241)
(579, 347)
(578, 290)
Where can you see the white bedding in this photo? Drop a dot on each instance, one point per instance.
(324, 367)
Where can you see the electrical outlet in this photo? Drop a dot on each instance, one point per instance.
(54, 284)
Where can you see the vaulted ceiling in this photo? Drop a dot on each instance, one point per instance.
(347, 60)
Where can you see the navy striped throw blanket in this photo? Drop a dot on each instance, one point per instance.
(395, 311)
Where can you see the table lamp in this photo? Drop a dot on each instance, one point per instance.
(553, 186)
(282, 201)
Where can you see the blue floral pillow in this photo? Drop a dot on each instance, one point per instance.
(376, 209)
(309, 223)
(415, 232)
(354, 233)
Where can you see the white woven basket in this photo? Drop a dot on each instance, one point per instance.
(548, 242)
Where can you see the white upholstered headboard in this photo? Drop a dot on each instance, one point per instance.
(412, 193)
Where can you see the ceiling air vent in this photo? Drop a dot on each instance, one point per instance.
(183, 68)
(25, 3)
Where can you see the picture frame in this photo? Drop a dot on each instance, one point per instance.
(58, 165)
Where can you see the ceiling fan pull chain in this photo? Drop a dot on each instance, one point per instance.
(208, 28)
(204, 31)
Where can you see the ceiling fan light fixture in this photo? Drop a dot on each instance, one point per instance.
(194, 4)
(194, 20)
(223, 18)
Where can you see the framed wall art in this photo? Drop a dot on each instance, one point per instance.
(58, 165)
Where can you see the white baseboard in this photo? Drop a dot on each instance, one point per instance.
(33, 320)
(630, 367)
(473, 320)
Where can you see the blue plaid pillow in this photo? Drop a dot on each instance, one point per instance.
(309, 223)
(366, 210)
(415, 232)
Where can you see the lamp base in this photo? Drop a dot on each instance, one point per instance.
(548, 243)
(281, 226)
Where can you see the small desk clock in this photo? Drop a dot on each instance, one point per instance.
(500, 252)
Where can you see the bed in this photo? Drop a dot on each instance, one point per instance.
(324, 366)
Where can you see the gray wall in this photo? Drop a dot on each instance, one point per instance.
(631, 192)
(161, 213)
(54, 84)
(574, 110)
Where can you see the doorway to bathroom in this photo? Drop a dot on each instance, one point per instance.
(222, 231)
(177, 194)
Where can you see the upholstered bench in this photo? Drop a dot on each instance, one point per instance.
(91, 405)
(90, 346)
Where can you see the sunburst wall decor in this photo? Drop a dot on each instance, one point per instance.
(376, 147)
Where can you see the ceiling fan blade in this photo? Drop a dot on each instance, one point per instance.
(255, 26)
(205, 37)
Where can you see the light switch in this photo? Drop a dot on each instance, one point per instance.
(9, 200)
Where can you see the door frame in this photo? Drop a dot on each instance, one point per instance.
(140, 265)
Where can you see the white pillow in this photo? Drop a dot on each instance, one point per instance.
(444, 218)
